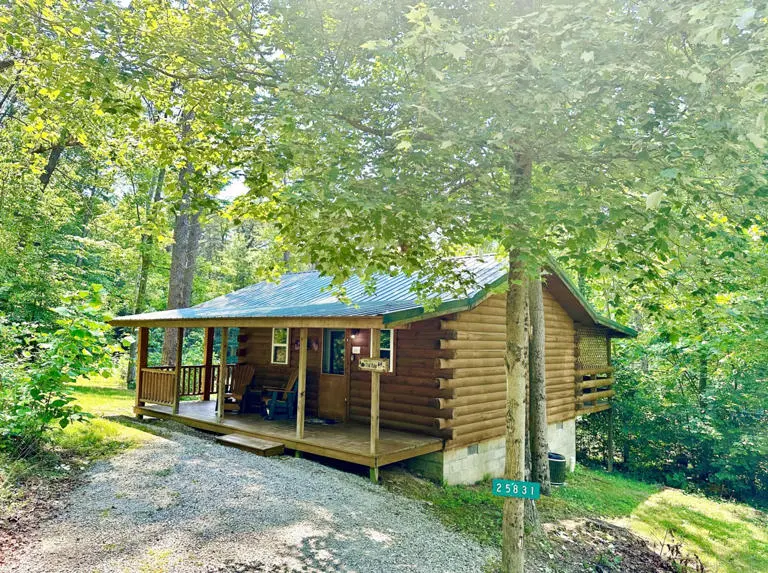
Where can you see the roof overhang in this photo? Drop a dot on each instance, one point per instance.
(399, 314)
(561, 287)
(402, 317)
(578, 307)
(275, 322)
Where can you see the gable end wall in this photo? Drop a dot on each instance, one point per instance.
(476, 375)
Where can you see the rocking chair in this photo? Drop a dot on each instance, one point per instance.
(280, 403)
(241, 379)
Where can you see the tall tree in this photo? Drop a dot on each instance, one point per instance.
(537, 420)
(151, 197)
(447, 125)
(186, 243)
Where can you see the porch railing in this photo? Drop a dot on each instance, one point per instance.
(157, 386)
(594, 390)
(157, 382)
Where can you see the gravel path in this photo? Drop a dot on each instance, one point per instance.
(185, 503)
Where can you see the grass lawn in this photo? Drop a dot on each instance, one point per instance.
(100, 436)
(727, 537)
(79, 444)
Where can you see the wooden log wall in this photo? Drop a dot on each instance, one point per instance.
(449, 377)
(255, 347)
(560, 359)
(476, 375)
(408, 396)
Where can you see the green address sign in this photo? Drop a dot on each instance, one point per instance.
(509, 488)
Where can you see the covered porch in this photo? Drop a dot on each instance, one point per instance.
(194, 396)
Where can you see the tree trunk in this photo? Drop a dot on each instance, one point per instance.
(186, 242)
(532, 520)
(531, 513)
(516, 365)
(609, 454)
(87, 216)
(53, 161)
(538, 389)
(144, 265)
(703, 374)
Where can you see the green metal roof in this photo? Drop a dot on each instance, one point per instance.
(305, 295)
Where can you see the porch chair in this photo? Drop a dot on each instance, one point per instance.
(280, 403)
(242, 376)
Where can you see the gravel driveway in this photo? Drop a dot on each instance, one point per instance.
(185, 503)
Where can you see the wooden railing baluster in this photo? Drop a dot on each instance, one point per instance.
(158, 382)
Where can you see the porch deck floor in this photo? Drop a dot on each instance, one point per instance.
(348, 441)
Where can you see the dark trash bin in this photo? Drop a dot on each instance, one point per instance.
(556, 468)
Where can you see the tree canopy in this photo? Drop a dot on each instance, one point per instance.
(626, 140)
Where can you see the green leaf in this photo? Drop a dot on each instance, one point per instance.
(457, 50)
(745, 18)
(375, 44)
(697, 77)
(653, 200)
(757, 140)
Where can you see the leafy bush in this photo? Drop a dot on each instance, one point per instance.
(36, 364)
(686, 428)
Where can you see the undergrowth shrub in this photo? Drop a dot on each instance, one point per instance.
(36, 364)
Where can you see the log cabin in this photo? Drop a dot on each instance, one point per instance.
(433, 398)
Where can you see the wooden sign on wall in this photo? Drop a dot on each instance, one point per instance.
(374, 364)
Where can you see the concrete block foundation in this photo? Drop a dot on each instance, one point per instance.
(470, 464)
(562, 440)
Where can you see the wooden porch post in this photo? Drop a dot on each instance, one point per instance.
(375, 380)
(222, 383)
(302, 383)
(177, 372)
(207, 363)
(142, 346)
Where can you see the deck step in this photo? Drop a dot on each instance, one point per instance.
(251, 444)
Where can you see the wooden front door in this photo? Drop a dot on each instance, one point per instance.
(333, 390)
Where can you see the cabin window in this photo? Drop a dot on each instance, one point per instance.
(334, 344)
(280, 345)
(386, 347)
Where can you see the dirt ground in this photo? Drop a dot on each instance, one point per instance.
(571, 546)
(568, 546)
